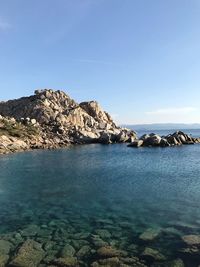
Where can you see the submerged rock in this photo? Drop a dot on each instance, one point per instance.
(131, 261)
(118, 262)
(150, 234)
(98, 242)
(191, 251)
(68, 251)
(66, 262)
(5, 247)
(153, 254)
(191, 240)
(82, 235)
(177, 263)
(108, 252)
(103, 233)
(50, 256)
(114, 261)
(30, 254)
(3, 260)
(30, 230)
(77, 244)
(83, 252)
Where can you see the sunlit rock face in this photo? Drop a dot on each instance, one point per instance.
(61, 120)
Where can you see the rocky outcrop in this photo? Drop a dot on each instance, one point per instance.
(50, 119)
(154, 140)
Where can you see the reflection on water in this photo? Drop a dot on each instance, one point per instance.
(101, 205)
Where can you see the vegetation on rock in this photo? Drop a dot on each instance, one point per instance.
(51, 119)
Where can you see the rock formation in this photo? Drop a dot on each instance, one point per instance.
(51, 119)
(56, 120)
(176, 139)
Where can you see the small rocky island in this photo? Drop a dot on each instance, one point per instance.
(51, 119)
(154, 140)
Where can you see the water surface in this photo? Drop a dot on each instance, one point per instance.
(125, 191)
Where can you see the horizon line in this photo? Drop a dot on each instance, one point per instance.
(163, 123)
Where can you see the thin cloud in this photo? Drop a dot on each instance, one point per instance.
(168, 111)
(4, 25)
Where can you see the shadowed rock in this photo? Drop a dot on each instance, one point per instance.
(136, 143)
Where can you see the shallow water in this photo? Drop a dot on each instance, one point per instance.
(73, 194)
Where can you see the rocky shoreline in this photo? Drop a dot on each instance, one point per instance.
(51, 119)
(154, 140)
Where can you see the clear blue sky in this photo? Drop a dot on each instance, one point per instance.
(139, 58)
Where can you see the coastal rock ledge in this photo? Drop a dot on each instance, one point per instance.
(154, 140)
(51, 119)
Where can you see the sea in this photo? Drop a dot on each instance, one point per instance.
(143, 203)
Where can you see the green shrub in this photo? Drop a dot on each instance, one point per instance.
(18, 129)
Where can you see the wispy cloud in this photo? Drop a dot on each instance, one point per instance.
(170, 111)
(4, 25)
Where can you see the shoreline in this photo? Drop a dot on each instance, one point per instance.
(51, 119)
(135, 144)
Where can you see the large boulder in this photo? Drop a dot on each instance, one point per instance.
(150, 234)
(94, 110)
(183, 138)
(152, 140)
(176, 139)
(173, 141)
(164, 142)
(144, 137)
(136, 143)
(30, 254)
(86, 137)
(105, 138)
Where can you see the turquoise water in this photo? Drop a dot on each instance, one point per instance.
(83, 190)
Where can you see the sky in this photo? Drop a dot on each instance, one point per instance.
(139, 59)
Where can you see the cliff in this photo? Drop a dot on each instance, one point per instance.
(57, 121)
